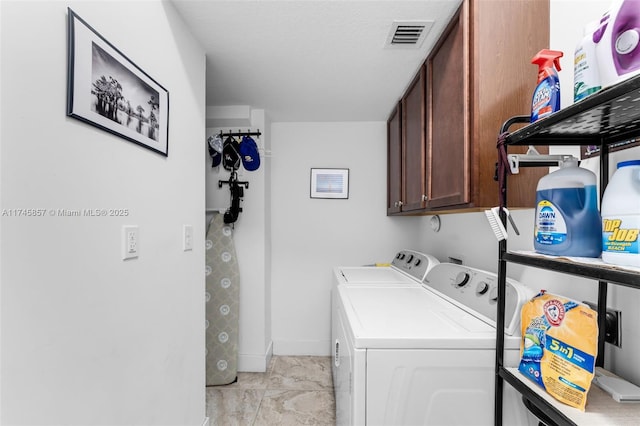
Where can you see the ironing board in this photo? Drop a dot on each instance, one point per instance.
(222, 300)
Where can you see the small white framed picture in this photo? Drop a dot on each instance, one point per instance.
(330, 183)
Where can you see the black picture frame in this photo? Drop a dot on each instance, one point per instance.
(107, 90)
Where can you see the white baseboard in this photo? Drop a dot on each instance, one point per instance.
(252, 363)
(258, 363)
(302, 347)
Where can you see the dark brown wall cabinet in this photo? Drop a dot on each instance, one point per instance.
(406, 177)
(394, 161)
(413, 136)
(442, 135)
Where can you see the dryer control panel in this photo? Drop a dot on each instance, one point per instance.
(476, 291)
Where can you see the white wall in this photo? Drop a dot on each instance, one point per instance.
(251, 234)
(87, 338)
(311, 236)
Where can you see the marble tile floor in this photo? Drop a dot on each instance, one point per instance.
(295, 390)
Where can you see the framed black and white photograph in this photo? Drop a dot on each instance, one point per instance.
(330, 183)
(107, 90)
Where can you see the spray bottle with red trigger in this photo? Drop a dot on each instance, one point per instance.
(546, 97)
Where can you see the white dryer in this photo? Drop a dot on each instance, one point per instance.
(423, 355)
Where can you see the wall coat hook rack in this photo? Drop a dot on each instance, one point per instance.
(257, 133)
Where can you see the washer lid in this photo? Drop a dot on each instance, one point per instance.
(410, 318)
(371, 275)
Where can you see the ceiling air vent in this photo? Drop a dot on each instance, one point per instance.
(408, 34)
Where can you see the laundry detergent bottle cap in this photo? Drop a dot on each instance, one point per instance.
(546, 96)
(567, 221)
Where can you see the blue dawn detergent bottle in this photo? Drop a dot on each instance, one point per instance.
(567, 221)
(546, 97)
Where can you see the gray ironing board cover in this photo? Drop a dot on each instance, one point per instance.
(222, 301)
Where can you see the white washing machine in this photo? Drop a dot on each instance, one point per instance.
(423, 355)
(408, 268)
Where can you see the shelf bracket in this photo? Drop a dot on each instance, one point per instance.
(532, 158)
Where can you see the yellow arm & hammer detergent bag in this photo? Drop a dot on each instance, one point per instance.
(559, 346)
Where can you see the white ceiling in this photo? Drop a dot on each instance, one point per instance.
(310, 60)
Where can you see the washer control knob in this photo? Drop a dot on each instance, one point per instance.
(410, 258)
(418, 262)
(493, 295)
(482, 288)
(461, 279)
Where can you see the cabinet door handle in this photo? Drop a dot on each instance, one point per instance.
(400, 203)
(425, 198)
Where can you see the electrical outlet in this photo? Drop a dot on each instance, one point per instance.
(187, 237)
(613, 325)
(130, 242)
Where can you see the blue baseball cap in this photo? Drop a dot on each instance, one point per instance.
(249, 153)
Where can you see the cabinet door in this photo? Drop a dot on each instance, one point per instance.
(414, 156)
(505, 57)
(394, 161)
(448, 101)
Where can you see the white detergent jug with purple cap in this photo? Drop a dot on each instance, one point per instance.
(621, 216)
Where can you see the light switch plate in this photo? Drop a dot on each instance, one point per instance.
(187, 237)
(130, 242)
